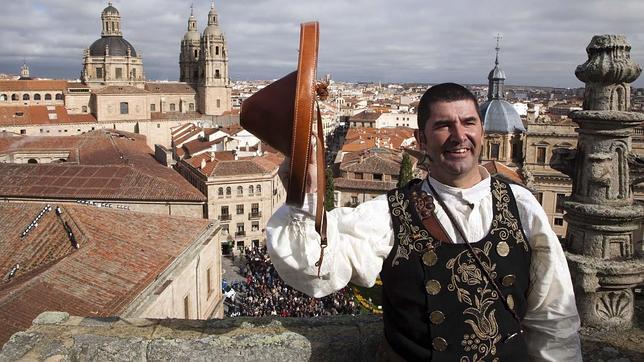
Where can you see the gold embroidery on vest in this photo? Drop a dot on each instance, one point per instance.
(410, 237)
(480, 315)
(504, 223)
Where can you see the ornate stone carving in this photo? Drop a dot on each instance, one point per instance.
(607, 72)
(601, 211)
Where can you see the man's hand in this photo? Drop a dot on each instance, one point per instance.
(311, 176)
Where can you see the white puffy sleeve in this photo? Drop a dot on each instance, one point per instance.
(359, 239)
(551, 322)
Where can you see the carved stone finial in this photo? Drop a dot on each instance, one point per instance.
(607, 72)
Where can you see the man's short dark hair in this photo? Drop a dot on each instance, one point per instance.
(444, 92)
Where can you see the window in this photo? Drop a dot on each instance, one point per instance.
(218, 103)
(220, 192)
(559, 207)
(240, 227)
(153, 107)
(186, 307)
(216, 50)
(224, 210)
(354, 200)
(195, 52)
(224, 229)
(541, 155)
(3, 97)
(47, 97)
(240, 245)
(14, 97)
(99, 72)
(255, 226)
(191, 107)
(251, 190)
(209, 281)
(494, 151)
(258, 189)
(23, 131)
(173, 107)
(25, 97)
(217, 75)
(84, 108)
(256, 243)
(377, 177)
(158, 125)
(358, 176)
(240, 209)
(59, 96)
(540, 198)
(36, 97)
(228, 191)
(240, 191)
(559, 221)
(125, 108)
(118, 73)
(134, 73)
(254, 208)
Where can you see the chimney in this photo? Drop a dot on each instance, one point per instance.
(203, 164)
(212, 156)
(259, 148)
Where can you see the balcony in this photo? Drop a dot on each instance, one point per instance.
(254, 215)
(240, 234)
(224, 217)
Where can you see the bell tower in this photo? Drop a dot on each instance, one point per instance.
(190, 52)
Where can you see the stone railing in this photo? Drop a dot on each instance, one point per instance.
(55, 336)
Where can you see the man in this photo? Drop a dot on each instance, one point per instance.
(491, 282)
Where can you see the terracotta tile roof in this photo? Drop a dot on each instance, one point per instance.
(343, 183)
(498, 169)
(225, 165)
(32, 85)
(365, 116)
(45, 115)
(120, 89)
(113, 165)
(377, 160)
(179, 141)
(178, 115)
(169, 88)
(112, 266)
(195, 146)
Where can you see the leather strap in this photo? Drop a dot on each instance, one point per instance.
(303, 113)
(424, 205)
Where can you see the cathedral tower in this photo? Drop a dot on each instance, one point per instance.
(214, 88)
(190, 49)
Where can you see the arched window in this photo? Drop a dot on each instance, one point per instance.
(173, 107)
(195, 53)
(220, 192)
(217, 75)
(32, 160)
(258, 189)
(3, 97)
(14, 97)
(251, 190)
(47, 97)
(240, 191)
(25, 97)
(228, 191)
(59, 96)
(216, 50)
(37, 97)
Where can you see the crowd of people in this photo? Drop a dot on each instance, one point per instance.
(263, 293)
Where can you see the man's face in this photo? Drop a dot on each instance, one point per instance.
(453, 138)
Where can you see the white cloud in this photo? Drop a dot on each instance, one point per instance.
(361, 40)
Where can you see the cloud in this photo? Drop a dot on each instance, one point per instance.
(361, 40)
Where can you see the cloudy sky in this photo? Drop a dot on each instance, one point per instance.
(361, 40)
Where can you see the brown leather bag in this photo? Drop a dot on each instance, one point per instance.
(282, 115)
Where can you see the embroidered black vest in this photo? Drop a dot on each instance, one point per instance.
(437, 303)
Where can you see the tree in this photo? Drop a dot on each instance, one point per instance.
(405, 175)
(329, 197)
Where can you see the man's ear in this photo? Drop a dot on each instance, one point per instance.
(420, 139)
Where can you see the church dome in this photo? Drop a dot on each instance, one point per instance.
(117, 47)
(212, 30)
(191, 35)
(499, 116)
(110, 10)
(496, 73)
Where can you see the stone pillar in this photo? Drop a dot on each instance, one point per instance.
(601, 212)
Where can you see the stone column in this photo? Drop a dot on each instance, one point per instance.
(601, 212)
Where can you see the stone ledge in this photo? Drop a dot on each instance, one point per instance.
(55, 336)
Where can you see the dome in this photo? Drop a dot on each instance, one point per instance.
(110, 10)
(496, 73)
(212, 30)
(117, 46)
(500, 116)
(191, 35)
